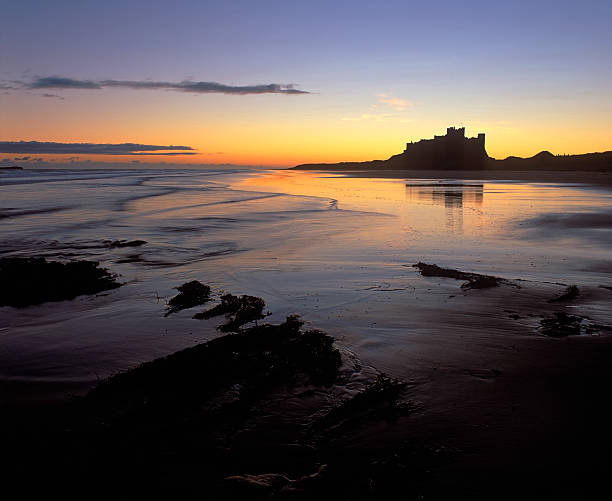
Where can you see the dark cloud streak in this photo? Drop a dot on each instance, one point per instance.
(57, 82)
(61, 83)
(39, 148)
(52, 95)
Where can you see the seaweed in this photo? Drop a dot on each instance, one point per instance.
(255, 360)
(473, 280)
(190, 294)
(239, 310)
(34, 280)
(561, 324)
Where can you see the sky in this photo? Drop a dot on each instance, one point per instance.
(280, 83)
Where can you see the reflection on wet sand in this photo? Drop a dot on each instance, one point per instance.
(452, 196)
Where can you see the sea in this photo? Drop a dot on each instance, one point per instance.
(335, 248)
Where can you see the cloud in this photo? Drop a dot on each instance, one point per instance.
(394, 102)
(39, 148)
(61, 83)
(56, 82)
(52, 95)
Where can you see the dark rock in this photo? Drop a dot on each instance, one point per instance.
(474, 280)
(114, 244)
(239, 310)
(250, 363)
(561, 324)
(481, 282)
(28, 281)
(190, 294)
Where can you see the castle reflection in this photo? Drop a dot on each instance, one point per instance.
(453, 196)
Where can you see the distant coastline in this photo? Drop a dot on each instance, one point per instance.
(455, 152)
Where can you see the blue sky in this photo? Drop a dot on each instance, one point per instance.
(519, 65)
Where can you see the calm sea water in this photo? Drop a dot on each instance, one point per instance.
(336, 250)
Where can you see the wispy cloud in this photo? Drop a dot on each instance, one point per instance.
(64, 83)
(39, 148)
(60, 83)
(52, 95)
(394, 102)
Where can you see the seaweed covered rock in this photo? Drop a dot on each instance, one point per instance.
(473, 280)
(30, 280)
(251, 362)
(238, 417)
(239, 310)
(561, 324)
(190, 294)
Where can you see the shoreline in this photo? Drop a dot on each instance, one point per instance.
(489, 399)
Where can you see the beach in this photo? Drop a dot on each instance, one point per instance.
(495, 390)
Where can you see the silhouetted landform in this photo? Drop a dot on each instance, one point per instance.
(190, 294)
(13, 167)
(572, 292)
(473, 280)
(454, 151)
(28, 281)
(238, 310)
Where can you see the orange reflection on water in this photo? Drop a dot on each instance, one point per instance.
(423, 205)
(428, 209)
(452, 196)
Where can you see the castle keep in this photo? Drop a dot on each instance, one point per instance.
(452, 151)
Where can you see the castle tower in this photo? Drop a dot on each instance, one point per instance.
(455, 132)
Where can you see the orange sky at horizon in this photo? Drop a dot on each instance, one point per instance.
(289, 144)
(283, 131)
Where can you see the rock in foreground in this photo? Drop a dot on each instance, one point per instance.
(30, 280)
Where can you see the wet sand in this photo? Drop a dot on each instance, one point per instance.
(496, 408)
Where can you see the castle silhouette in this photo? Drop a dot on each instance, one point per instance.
(452, 151)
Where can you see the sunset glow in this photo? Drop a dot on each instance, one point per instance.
(278, 86)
